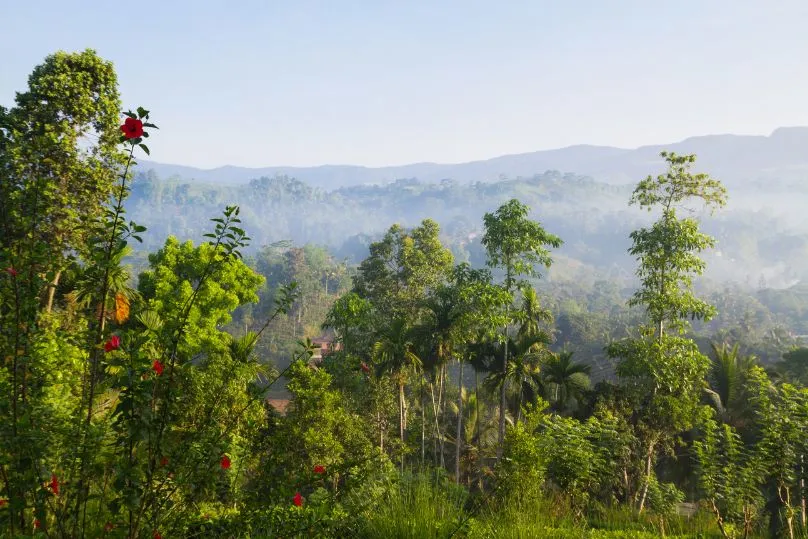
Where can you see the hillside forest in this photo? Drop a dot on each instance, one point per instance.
(542, 356)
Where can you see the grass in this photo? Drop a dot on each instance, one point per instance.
(419, 506)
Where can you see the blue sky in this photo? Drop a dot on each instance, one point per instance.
(303, 82)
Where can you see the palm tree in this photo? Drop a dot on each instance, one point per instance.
(439, 333)
(393, 353)
(532, 315)
(478, 437)
(523, 370)
(564, 379)
(726, 378)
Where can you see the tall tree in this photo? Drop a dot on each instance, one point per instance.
(516, 244)
(402, 268)
(59, 158)
(394, 354)
(668, 252)
(665, 372)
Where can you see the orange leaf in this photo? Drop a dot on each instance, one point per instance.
(121, 308)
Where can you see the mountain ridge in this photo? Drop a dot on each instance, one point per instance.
(731, 158)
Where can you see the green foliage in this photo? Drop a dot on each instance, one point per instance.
(417, 506)
(350, 316)
(317, 430)
(794, 366)
(317, 521)
(136, 413)
(172, 287)
(60, 153)
(401, 268)
(523, 467)
(731, 477)
(515, 243)
(668, 252)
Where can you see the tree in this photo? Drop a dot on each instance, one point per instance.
(168, 286)
(727, 375)
(394, 354)
(794, 366)
(59, 156)
(441, 336)
(350, 317)
(401, 268)
(516, 244)
(664, 372)
(668, 252)
(730, 476)
(524, 368)
(783, 418)
(479, 313)
(564, 379)
(318, 430)
(531, 315)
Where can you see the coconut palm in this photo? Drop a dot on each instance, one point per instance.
(565, 380)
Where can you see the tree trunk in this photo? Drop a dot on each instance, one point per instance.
(438, 445)
(401, 420)
(719, 520)
(476, 404)
(423, 426)
(502, 399)
(52, 291)
(519, 405)
(459, 439)
(784, 492)
(441, 417)
(802, 492)
(648, 471)
(627, 485)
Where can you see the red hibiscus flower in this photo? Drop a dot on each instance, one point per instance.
(54, 484)
(113, 343)
(364, 367)
(298, 499)
(11, 271)
(157, 367)
(3, 502)
(319, 469)
(156, 535)
(108, 527)
(225, 462)
(132, 128)
(37, 524)
(164, 461)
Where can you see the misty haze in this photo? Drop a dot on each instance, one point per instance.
(404, 270)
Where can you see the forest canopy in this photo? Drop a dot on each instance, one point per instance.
(539, 357)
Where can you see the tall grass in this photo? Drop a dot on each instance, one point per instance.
(418, 506)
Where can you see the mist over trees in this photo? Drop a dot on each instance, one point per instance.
(269, 359)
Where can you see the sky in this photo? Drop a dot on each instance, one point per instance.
(387, 82)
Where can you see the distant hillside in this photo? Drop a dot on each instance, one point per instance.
(762, 233)
(732, 158)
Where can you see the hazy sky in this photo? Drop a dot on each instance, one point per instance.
(375, 82)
